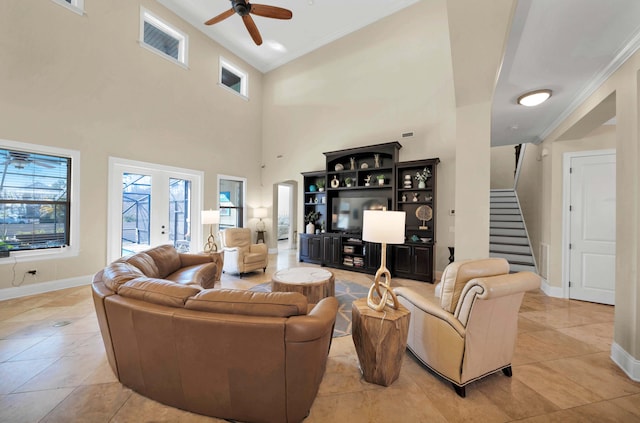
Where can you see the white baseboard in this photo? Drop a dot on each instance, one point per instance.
(551, 291)
(626, 362)
(40, 288)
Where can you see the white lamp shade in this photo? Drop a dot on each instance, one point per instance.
(260, 212)
(210, 217)
(383, 226)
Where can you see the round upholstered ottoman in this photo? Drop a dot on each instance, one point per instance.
(313, 283)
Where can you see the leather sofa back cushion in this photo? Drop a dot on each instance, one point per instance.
(119, 273)
(166, 259)
(158, 291)
(145, 263)
(230, 301)
(457, 274)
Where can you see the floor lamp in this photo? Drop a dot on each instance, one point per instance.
(210, 217)
(384, 227)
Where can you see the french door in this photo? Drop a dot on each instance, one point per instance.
(150, 205)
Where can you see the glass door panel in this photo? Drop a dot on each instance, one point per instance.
(179, 212)
(136, 213)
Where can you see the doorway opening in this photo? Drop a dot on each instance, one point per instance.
(285, 211)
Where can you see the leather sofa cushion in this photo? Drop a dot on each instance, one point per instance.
(166, 258)
(145, 263)
(200, 274)
(158, 291)
(230, 301)
(119, 273)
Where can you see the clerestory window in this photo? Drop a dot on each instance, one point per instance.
(162, 38)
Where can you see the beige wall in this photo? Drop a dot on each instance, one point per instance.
(367, 88)
(84, 83)
(624, 82)
(503, 165)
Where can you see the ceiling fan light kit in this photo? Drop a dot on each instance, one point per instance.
(534, 98)
(244, 9)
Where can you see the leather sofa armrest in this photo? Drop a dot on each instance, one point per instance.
(194, 259)
(430, 308)
(315, 324)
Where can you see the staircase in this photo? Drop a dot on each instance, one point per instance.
(508, 234)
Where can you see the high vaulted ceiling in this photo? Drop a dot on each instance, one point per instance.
(568, 46)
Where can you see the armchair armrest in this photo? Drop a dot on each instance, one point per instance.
(315, 324)
(259, 248)
(431, 309)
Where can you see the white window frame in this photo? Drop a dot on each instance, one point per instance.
(74, 193)
(244, 77)
(76, 6)
(182, 37)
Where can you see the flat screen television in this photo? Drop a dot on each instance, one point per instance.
(346, 213)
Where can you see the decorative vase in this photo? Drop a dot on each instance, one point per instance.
(335, 183)
(311, 228)
(422, 185)
(352, 162)
(415, 196)
(376, 160)
(404, 197)
(312, 188)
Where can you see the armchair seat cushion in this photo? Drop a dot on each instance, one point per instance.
(251, 258)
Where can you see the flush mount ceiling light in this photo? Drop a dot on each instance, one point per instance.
(534, 98)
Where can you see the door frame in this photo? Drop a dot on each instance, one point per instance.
(114, 198)
(566, 202)
(293, 212)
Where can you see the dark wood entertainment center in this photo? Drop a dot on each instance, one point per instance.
(351, 184)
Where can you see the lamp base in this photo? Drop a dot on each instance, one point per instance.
(380, 294)
(210, 246)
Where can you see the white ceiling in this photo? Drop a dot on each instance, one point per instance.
(568, 46)
(314, 24)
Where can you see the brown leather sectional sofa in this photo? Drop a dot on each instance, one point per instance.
(231, 354)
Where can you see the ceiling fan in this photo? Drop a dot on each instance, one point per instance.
(244, 9)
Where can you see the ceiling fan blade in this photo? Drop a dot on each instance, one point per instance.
(270, 11)
(222, 16)
(252, 28)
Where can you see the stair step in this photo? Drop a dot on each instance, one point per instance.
(509, 248)
(505, 212)
(505, 218)
(508, 232)
(512, 240)
(505, 225)
(522, 268)
(514, 258)
(502, 193)
(503, 200)
(497, 206)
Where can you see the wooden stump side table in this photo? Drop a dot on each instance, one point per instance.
(313, 283)
(380, 338)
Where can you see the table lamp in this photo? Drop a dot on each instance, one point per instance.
(210, 217)
(384, 227)
(260, 212)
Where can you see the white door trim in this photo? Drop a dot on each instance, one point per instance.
(566, 201)
(114, 198)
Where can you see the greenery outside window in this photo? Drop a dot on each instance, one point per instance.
(35, 199)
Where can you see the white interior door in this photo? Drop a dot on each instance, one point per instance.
(592, 228)
(152, 205)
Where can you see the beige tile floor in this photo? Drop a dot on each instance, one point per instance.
(562, 370)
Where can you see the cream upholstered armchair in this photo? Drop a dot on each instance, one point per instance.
(472, 332)
(240, 255)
